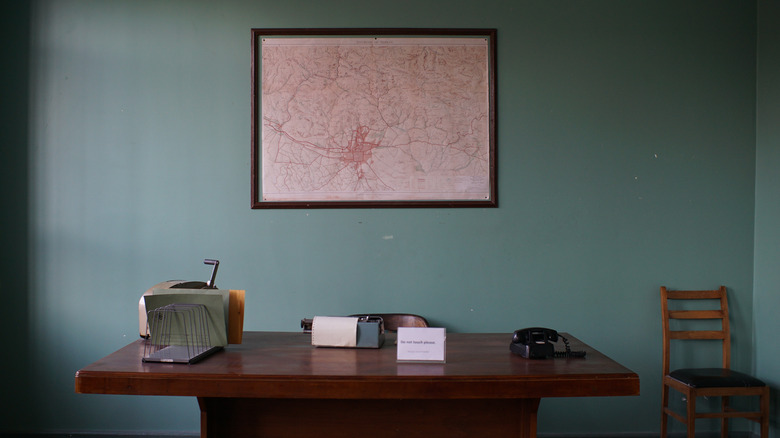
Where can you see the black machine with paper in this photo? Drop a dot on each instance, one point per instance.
(345, 331)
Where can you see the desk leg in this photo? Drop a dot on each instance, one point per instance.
(204, 417)
(529, 408)
(272, 418)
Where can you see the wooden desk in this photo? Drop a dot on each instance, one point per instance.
(278, 385)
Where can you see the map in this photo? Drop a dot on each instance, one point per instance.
(375, 119)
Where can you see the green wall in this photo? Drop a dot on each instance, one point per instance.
(626, 161)
(767, 242)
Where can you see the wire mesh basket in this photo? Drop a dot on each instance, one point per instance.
(178, 333)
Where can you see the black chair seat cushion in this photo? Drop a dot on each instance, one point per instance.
(714, 377)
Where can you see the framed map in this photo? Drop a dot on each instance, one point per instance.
(373, 118)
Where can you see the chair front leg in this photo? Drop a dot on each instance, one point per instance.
(691, 420)
(724, 421)
(664, 406)
(765, 414)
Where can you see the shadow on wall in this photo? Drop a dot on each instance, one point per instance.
(14, 222)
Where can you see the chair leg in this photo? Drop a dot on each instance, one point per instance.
(691, 420)
(765, 414)
(724, 422)
(664, 415)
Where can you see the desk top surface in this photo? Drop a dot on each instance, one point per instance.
(286, 365)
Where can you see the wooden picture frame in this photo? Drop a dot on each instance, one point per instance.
(373, 118)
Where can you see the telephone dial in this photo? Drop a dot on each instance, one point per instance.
(536, 343)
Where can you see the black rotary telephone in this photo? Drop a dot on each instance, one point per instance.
(536, 343)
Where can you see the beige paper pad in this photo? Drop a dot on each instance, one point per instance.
(334, 331)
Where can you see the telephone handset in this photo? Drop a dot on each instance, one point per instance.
(536, 343)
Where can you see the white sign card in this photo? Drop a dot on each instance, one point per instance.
(422, 344)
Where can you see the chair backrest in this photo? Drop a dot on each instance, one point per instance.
(719, 311)
(394, 320)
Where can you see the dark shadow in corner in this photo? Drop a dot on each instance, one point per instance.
(15, 218)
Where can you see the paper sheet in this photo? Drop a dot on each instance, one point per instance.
(334, 331)
(224, 293)
(422, 344)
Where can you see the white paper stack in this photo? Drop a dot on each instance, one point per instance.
(334, 331)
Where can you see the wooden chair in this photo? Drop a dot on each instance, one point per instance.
(706, 382)
(394, 320)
